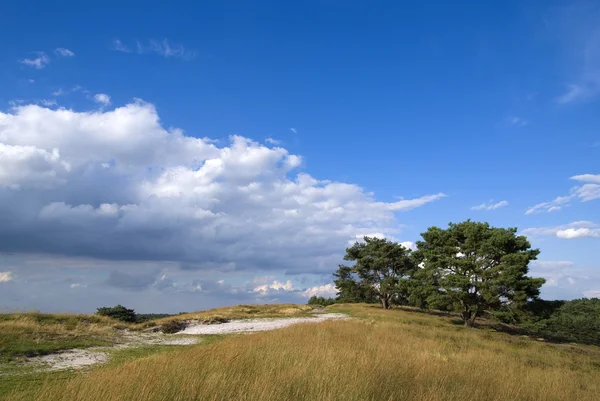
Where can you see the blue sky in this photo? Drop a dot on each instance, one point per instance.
(181, 157)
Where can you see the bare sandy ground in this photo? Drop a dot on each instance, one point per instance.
(250, 325)
(81, 358)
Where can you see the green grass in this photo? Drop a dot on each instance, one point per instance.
(31, 334)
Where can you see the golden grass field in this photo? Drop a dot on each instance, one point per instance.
(380, 355)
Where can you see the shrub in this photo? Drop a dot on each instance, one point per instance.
(577, 320)
(320, 301)
(172, 326)
(118, 312)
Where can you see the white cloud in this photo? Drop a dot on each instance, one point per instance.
(38, 62)
(78, 285)
(555, 272)
(572, 230)
(61, 51)
(595, 178)
(592, 294)
(117, 185)
(5, 277)
(327, 291)
(517, 121)
(28, 166)
(585, 193)
(58, 92)
(409, 245)
(570, 233)
(490, 205)
(552, 206)
(31, 81)
(272, 141)
(274, 287)
(120, 47)
(294, 130)
(102, 98)
(165, 49)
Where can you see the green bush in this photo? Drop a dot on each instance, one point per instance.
(118, 312)
(320, 301)
(577, 320)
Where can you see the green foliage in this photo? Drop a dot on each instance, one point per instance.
(146, 317)
(350, 289)
(476, 268)
(380, 266)
(577, 320)
(118, 312)
(321, 301)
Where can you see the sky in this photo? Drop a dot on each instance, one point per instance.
(176, 157)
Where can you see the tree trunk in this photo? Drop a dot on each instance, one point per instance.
(469, 317)
(385, 303)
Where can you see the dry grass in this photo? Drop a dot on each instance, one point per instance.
(220, 315)
(386, 355)
(244, 312)
(28, 334)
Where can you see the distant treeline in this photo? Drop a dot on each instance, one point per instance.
(470, 268)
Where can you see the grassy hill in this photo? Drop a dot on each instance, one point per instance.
(398, 354)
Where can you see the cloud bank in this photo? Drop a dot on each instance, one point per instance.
(116, 185)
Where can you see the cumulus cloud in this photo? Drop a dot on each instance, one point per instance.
(116, 185)
(578, 233)
(327, 291)
(490, 205)
(102, 98)
(275, 287)
(38, 62)
(592, 294)
(5, 277)
(576, 229)
(61, 51)
(29, 166)
(586, 192)
(409, 245)
(555, 272)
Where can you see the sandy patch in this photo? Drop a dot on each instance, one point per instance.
(81, 358)
(72, 359)
(251, 325)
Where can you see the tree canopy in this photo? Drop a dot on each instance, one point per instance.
(379, 266)
(474, 267)
(118, 312)
(469, 267)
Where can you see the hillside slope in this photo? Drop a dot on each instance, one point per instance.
(379, 355)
